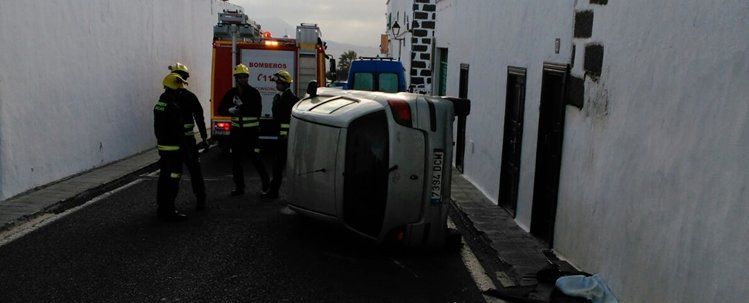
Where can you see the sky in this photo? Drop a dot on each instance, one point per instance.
(357, 22)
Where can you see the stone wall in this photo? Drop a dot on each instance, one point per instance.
(422, 41)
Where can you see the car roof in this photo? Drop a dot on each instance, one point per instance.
(337, 107)
(376, 65)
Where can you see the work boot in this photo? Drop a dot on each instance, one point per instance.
(237, 192)
(269, 195)
(171, 216)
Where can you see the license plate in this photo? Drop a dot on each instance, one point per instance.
(438, 162)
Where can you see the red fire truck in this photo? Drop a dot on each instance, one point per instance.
(240, 40)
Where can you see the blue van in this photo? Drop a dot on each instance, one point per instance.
(376, 74)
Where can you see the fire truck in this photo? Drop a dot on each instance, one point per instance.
(238, 39)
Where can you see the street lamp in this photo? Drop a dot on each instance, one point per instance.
(397, 35)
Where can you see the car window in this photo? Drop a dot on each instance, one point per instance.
(363, 81)
(388, 82)
(365, 181)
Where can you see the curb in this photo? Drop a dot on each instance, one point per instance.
(81, 197)
(480, 243)
(91, 193)
(510, 285)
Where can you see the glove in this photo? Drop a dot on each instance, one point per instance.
(237, 101)
(233, 110)
(203, 144)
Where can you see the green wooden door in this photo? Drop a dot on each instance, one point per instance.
(443, 72)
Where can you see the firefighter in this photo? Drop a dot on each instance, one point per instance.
(192, 114)
(168, 127)
(282, 103)
(244, 104)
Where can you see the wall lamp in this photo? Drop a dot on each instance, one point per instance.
(397, 35)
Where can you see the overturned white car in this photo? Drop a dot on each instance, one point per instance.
(379, 163)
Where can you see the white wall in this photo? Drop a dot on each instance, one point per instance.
(400, 10)
(79, 80)
(653, 192)
(654, 170)
(491, 35)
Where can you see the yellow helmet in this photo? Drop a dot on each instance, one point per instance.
(180, 69)
(282, 76)
(174, 81)
(241, 69)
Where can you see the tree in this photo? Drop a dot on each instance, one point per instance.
(344, 63)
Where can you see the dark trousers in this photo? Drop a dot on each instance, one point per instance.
(192, 161)
(170, 164)
(279, 163)
(244, 142)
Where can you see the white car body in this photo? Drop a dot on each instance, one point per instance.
(351, 161)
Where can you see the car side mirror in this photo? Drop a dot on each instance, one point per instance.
(312, 89)
(461, 106)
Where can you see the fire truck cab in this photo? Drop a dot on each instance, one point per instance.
(240, 40)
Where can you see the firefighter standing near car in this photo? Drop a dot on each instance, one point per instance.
(168, 127)
(282, 104)
(192, 114)
(244, 104)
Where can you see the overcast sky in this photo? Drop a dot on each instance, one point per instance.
(358, 22)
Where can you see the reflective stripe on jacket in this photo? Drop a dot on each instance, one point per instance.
(168, 147)
(284, 129)
(245, 122)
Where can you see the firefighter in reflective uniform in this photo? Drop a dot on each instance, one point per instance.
(282, 103)
(192, 114)
(244, 104)
(168, 127)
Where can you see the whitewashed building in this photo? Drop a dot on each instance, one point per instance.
(615, 131)
(78, 80)
(410, 30)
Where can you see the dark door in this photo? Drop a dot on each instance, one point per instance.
(443, 72)
(461, 140)
(513, 139)
(549, 152)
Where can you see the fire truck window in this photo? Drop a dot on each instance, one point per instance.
(363, 81)
(388, 82)
(365, 181)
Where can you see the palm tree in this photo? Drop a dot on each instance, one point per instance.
(344, 63)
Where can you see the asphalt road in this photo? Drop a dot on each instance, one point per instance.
(242, 249)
